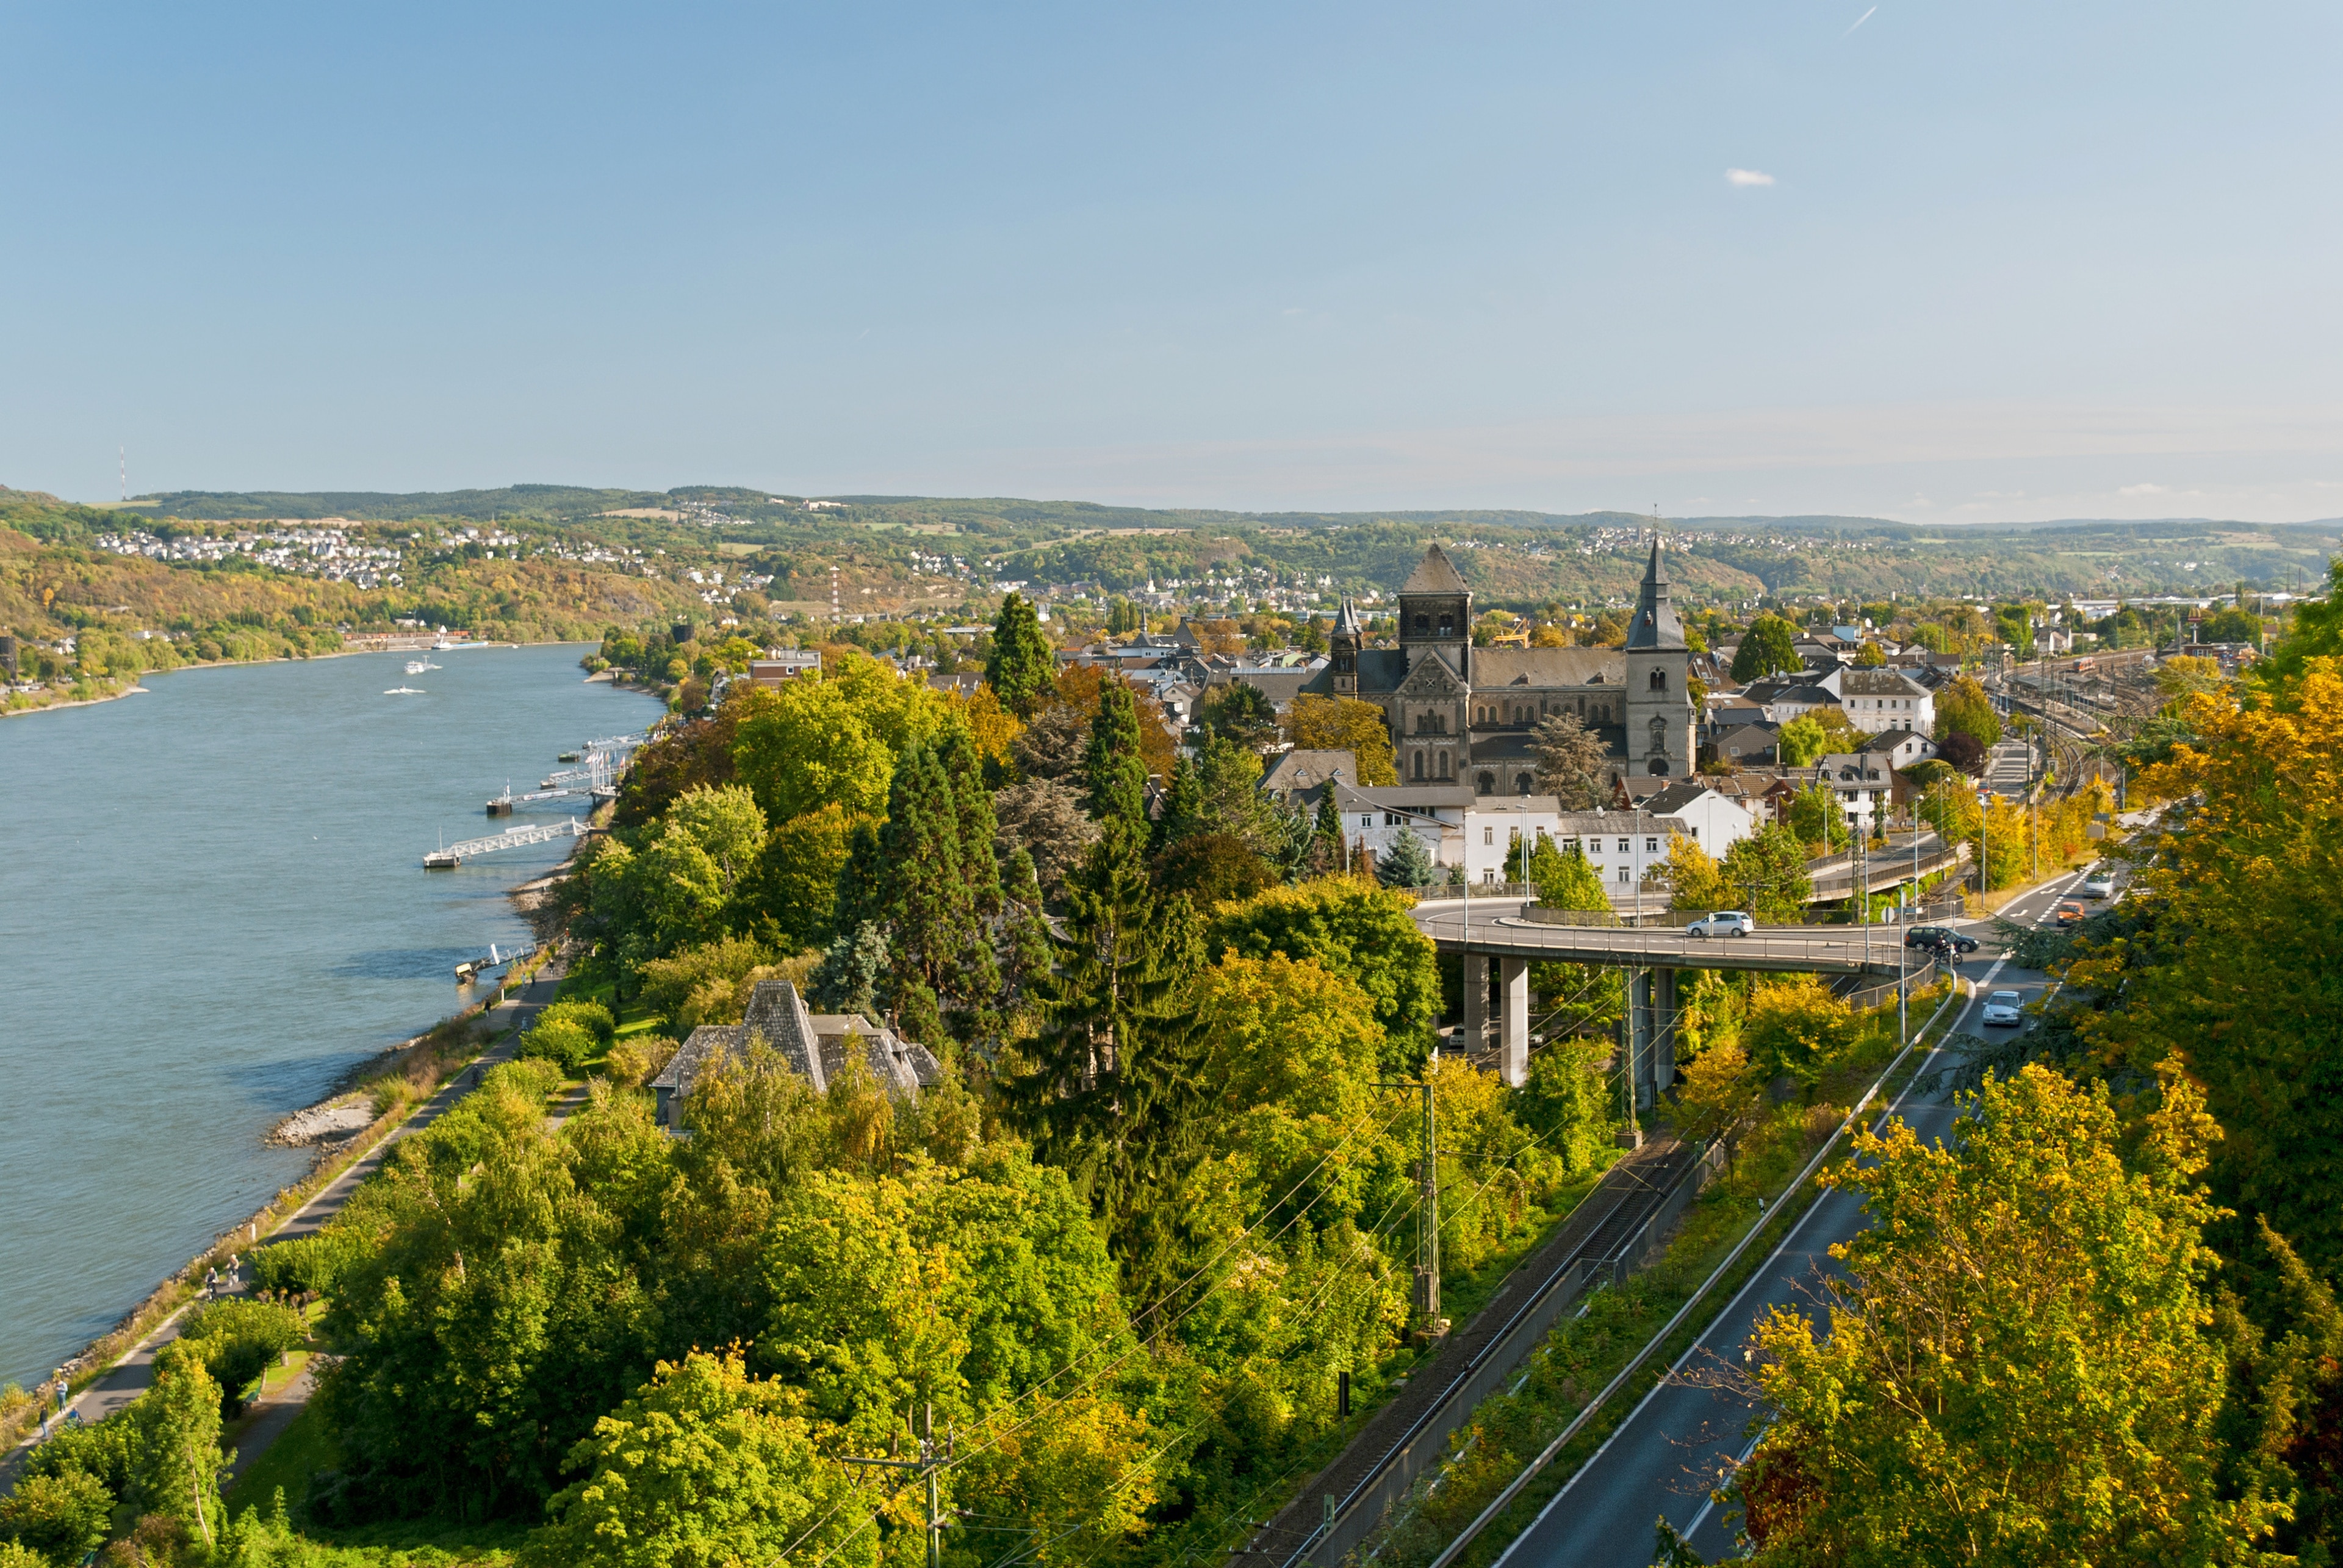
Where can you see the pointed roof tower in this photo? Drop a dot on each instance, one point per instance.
(1655, 626)
(1436, 573)
(1347, 622)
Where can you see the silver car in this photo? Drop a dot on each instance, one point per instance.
(2002, 1010)
(2098, 885)
(1722, 923)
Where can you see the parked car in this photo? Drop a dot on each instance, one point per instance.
(2001, 1009)
(2099, 885)
(2070, 913)
(1939, 936)
(1722, 923)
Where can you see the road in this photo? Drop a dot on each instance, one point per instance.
(1664, 1459)
(131, 1376)
(1497, 927)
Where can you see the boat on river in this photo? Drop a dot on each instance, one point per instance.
(404, 691)
(417, 666)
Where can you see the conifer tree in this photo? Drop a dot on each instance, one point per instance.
(1113, 773)
(1407, 864)
(1115, 1075)
(1019, 671)
(1183, 806)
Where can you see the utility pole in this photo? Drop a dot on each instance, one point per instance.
(1427, 1213)
(931, 1462)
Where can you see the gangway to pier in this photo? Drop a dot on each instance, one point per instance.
(449, 857)
(502, 805)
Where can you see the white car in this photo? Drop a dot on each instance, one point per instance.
(2098, 885)
(2001, 1010)
(1724, 923)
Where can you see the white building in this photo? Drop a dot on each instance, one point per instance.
(1864, 782)
(1713, 822)
(1877, 700)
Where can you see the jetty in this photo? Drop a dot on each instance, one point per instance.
(450, 856)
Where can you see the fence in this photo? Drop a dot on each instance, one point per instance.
(1870, 997)
(1351, 1519)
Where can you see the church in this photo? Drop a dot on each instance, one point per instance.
(1467, 716)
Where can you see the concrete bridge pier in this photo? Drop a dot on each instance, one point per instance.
(1513, 1040)
(1652, 1032)
(1476, 1002)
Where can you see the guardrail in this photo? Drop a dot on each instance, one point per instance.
(1515, 934)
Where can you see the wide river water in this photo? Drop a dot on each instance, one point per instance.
(212, 904)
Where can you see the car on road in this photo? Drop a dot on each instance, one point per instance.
(1939, 936)
(2070, 913)
(2099, 885)
(1722, 923)
(2001, 1010)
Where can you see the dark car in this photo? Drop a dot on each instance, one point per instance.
(1940, 937)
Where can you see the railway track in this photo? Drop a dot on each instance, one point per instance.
(1347, 1498)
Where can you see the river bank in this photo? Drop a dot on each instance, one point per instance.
(135, 687)
(214, 904)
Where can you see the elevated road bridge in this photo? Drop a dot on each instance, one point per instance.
(1495, 934)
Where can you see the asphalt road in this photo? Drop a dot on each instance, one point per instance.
(1664, 1458)
(1497, 927)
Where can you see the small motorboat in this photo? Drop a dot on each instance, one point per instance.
(417, 666)
(567, 757)
(404, 691)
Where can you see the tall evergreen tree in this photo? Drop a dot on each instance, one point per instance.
(1116, 1076)
(1326, 832)
(1184, 807)
(1020, 668)
(1113, 772)
(963, 765)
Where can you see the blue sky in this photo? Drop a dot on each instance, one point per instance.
(2013, 261)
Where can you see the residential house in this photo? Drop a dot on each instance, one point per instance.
(1901, 747)
(1297, 769)
(816, 1046)
(782, 665)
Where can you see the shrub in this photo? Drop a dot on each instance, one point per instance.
(1567, 1103)
(1796, 1028)
(101, 1449)
(238, 1339)
(592, 1014)
(636, 1060)
(563, 1042)
(289, 1267)
(60, 1517)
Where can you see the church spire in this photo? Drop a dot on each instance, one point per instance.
(1655, 626)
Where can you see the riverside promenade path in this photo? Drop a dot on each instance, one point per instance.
(134, 1373)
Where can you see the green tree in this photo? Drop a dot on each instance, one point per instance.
(705, 1466)
(1113, 773)
(1767, 648)
(60, 1517)
(1349, 927)
(1802, 740)
(238, 1339)
(1965, 708)
(2017, 1369)
(175, 1459)
(1767, 873)
(1183, 806)
(1241, 712)
(1562, 877)
(1818, 820)
(1021, 668)
(1573, 764)
(696, 860)
(796, 893)
(807, 746)
(1407, 863)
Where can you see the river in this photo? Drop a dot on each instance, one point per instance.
(211, 905)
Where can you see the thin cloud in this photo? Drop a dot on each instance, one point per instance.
(1859, 21)
(2140, 490)
(1747, 177)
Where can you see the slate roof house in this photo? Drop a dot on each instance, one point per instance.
(814, 1044)
(1465, 714)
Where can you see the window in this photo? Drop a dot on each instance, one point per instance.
(1659, 680)
(1447, 626)
(1522, 783)
(1486, 783)
(1393, 819)
(1651, 846)
(1623, 846)
(1488, 835)
(1695, 831)
(1419, 765)
(1366, 820)
(1423, 623)
(1444, 765)
(1624, 877)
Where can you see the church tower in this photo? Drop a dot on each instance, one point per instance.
(1348, 634)
(1659, 701)
(1435, 613)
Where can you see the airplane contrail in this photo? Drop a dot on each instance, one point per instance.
(1859, 21)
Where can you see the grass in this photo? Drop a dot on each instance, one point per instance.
(300, 1451)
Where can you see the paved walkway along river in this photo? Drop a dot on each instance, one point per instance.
(130, 1377)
